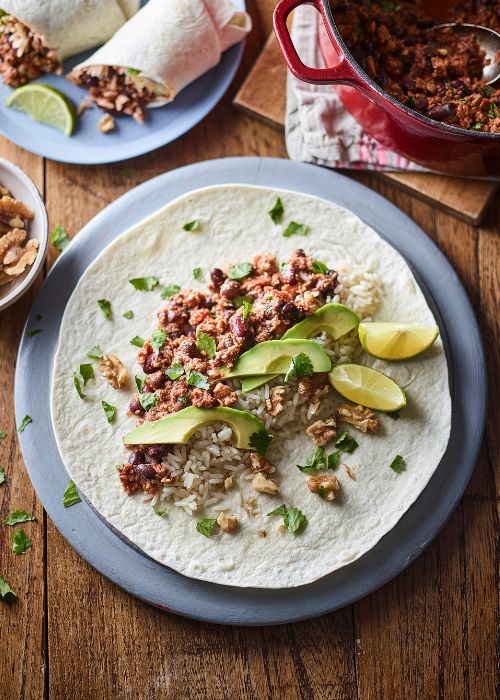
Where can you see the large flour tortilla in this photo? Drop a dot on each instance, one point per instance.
(235, 226)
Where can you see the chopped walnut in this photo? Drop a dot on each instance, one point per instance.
(250, 506)
(4, 191)
(114, 371)
(259, 464)
(260, 483)
(325, 486)
(261, 533)
(83, 106)
(22, 259)
(322, 431)
(275, 402)
(361, 418)
(228, 523)
(350, 472)
(315, 388)
(228, 483)
(12, 239)
(14, 213)
(106, 124)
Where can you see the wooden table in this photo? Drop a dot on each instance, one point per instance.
(73, 635)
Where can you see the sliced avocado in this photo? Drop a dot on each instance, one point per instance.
(275, 356)
(334, 319)
(177, 428)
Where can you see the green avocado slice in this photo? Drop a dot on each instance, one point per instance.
(334, 319)
(275, 356)
(177, 428)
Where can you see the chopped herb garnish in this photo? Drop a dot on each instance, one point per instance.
(206, 526)
(322, 492)
(95, 353)
(240, 271)
(2, 476)
(34, 331)
(395, 415)
(144, 284)
(346, 443)
(132, 71)
(2, 434)
(109, 410)
(276, 213)
(128, 314)
(300, 366)
(159, 512)
(6, 592)
(319, 267)
(477, 126)
(198, 274)
(20, 542)
(139, 382)
(197, 379)
(492, 111)
(247, 310)
(25, 421)
(137, 341)
(183, 400)
(78, 386)
(147, 401)
(260, 441)
(59, 238)
(205, 343)
(295, 229)
(170, 290)
(333, 460)
(105, 307)
(398, 464)
(192, 225)
(86, 373)
(240, 300)
(158, 339)
(70, 495)
(18, 516)
(175, 371)
(487, 91)
(314, 462)
(293, 518)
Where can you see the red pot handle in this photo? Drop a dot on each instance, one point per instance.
(341, 73)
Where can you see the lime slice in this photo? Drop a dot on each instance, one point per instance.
(44, 104)
(368, 387)
(396, 341)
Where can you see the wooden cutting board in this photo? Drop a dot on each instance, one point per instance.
(263, 96)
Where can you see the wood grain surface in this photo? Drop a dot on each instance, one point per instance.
(427, 634)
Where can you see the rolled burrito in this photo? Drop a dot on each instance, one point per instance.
(163, 48)
(37, 35)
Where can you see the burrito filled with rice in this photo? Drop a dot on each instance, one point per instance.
(163, 48)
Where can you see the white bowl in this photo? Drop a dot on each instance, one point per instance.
(23, 188)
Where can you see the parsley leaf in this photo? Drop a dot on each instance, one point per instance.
(144, 284)
(147, 401)
(139, 382)
(282, 510)
(137, 341)
(300, 366)
(315, 462)
(159, 512)
(2, 476)
(105, 307)
(18, 516)
(70, 495)
(34, 331)
(333, 460)
(175, 371)
(86, 373)
(128, 314)
(6, 592)
(59, 238)
(398, 464)
(205, 343)
(25, 421)
(2, 434)
(346, 443)
(158, 339)
(293, 518)
(319, 267)
(95, 353)
(295, 229)
(109, 410)
(78, 387)
(197, 379)
(206, 526)
(20, 542)
(192, 225)
(198, 274)
(260, 441)
(276, 213)
(170, 290)
(240, 271)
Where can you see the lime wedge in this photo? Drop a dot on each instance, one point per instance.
(396, 341)
(44, 104)
(368, 387)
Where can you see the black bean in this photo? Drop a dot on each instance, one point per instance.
(148, 366)
(146, 471)
(217, 277)
(237, 326)
(289, 312)
(136, 458)
(136, 408)
(230, 289)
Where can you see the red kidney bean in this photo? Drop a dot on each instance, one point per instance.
(157, 452)
(136, 458)
(289, 312)
(173, 316)
(147, 389)
(136, 408)
(188, 347)
(442, 112)
(146, 471)
(217, 277)
(148, 366)
(156, 380)
(230, 289)
(237, 326)
(289, 275)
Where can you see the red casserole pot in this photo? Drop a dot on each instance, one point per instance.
(439, 147)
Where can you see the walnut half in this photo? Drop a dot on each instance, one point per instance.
(324, 486)
(259, 464)
(260, 483)
(228, 523)
(322, 431)
(114, 371)
(275, 402)
(361, 418)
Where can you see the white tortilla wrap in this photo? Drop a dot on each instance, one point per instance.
(235, 227)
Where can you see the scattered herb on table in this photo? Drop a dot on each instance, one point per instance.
(6, 592)
(314, 462)
(240, 271)
(260, 441)
(128, 314)
(300, 366)
(25, 421)
(147, 401)
(95, 353)
(205, 343)
(86, 372)
(198, 274)
(398, 464)
(158, 339)
(145, 284)
(2, 476)
(333, 460)
(139, 382)
(206, 526)
(78, 386)
(70, 495)
(59, 237)
(18, 516)
(192, 225)
(105, 307)
(109, 410)
(295, 229)
(20, 542)
(175, 371)
(159, 512)
(293, 518)
(137, 341)
(197, 379)
(34, 331)
(346, 443)
(276, 213)
(170, 290)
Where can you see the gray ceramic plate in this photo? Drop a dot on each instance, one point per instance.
(128, 567)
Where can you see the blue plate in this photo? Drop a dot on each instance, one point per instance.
(88, 145)
(145, 578)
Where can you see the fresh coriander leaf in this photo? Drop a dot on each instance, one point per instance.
(295, 520)
(315, 462)
(20, 542)
(25, 421)
(205, 343)
(18, 516)
(144, 284)
(488, 91)
(322, 492)
(137, 341)
(128, 314)
(2, 476)
(59, 238)
(477, 126)
(240, 300)
(170, 290)
(86, 373)
(132, 71)
(105, 307)
(158, 339)
(276, 213)
(260, 441)
(247, 310)
(159, 512)
(109, 410)
(34, 331)
(175, 371)
(198, 274)
(319, 267)
(206, 526)
(3, 13)
(395, 415)
(240, 271)
(6, 592)
(197, 379)
(282, 510)
(95, 353)
(78, 386)
(300, 366)
(295, 229)
(333, 460)
(147, 401)
(346, 443)
(3, 434)
(139, 382)
(192, 225)
(398, 464)
(70, 495)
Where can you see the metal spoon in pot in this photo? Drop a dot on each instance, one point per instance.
(489, 42)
